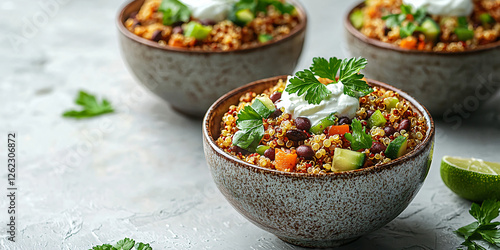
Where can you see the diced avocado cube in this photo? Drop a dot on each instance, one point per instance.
(345, 159)
(261, 149)
(320, 126)
(197, 30)
(397, 147)
(377, 119)
(430, 29)
(464, 34)
(263, 106)
(357, 19)
(263, 38)
(486, 19)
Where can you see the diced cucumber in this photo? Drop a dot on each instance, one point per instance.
(357, 19)
(197, 30)
(464, 34)
(486, 19)
(377, 119)
(261, 149)
(430, 29)
(319, 127)
(263, 106)
(244, 16)
(345, 159)
(397, 147)
(265, 38)
(391, 102)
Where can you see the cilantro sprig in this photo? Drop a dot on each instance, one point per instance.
(256, 6)
(483, 228)
(305, 82)
(396, 20)
(359, 138)
(125, 244)
(91, 107)
(251, 129)
(174, 11)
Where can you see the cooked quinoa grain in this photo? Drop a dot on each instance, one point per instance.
(316, 152)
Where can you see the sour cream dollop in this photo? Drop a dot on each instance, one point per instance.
(444, 7)
(215, 10)
(336, 102)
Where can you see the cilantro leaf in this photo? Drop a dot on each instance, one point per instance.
(174, 11)
(356, 87)
(350, 68)
(326, 69)
(359, 138)
(483, 228)
(125, 244)
(306, 83)
(251, 129)
(394, 20)
(91, 107)
(407, 30)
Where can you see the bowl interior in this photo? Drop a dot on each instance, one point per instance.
(135, 5)
(213, 118)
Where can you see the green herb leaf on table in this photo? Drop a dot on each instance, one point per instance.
(483, 228)
(305, 82)
(91, 107)
(174, 11)
(125, 244)
(359, 138)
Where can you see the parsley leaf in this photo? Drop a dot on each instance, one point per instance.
(407, 30)
(359, 138)
(125, 244)
(174, 11)
(483, 228)
(251, 129)
(90, 106)
(305, 82)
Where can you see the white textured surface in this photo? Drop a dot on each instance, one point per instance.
(135, 177)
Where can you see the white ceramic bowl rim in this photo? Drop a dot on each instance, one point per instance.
(347, 174)
(355, 32)
(295, 32)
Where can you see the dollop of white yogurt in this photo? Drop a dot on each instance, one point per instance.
(215, 10)
(444, 7)
(336, 102)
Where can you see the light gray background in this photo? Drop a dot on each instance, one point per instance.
(141, 172)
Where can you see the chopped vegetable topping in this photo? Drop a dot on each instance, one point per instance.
(90, 106)
(174, 11)
(359, 138)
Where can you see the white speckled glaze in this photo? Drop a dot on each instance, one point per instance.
(316, 210)
(437, 79)
(191, 80)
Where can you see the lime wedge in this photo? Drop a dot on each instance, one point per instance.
(471, 178)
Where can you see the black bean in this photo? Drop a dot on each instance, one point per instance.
(386, 30)
(136, 23)
(296, 135)
(177, 30)
(269, 153)
(405, 124)
(275, 96)
(156, 36)
(369, 113)
(377, 147)
(276, 113)
(303, 123)
(305, 151)
(207, 22)
(237, 150)
(389, 130)
(344, 120)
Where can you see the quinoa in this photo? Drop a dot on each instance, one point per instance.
(375, 27)
(224, 36)
(322, 144)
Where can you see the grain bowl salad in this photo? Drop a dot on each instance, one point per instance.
(213, 25)
(430, 25)
(321, 122)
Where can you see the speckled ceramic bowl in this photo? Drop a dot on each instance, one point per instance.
(447, 84)
(191, 80)
(315, 210)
